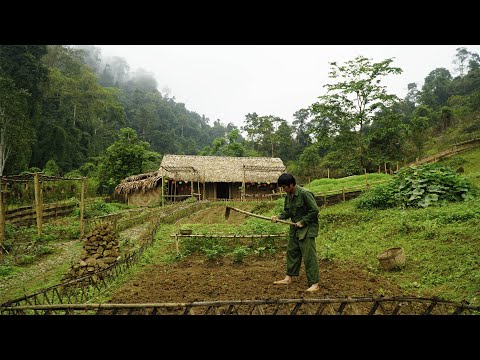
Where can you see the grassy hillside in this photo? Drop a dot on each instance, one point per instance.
(318, 186)
(470, 161)
(442, 244)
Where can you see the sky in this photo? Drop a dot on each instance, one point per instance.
(227, 82)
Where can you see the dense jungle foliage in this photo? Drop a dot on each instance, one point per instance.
(66, 110)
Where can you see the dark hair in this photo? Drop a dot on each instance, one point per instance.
(286, 179)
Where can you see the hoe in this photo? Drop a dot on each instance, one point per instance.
(229, 208)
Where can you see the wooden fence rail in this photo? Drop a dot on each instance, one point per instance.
(328, 306)
(28, 214)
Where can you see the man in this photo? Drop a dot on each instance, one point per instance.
(301, 208)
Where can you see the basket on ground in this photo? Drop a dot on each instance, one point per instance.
(393, 258)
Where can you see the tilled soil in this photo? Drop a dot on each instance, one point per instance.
(197, 279)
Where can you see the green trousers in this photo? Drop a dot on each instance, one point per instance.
(306, 248)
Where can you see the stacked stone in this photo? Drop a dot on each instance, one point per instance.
(100, 250)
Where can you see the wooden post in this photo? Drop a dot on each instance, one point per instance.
(309, 182)
(198, 186)
(379, 169)
(176, 244)
(243, 184)
(397, 165)
(163, 199)
(204, 192)
(174, 190)
(40, 186)
(343, 193)
(191, 185)
(82, 207)
(328, 173)
(37, 204)
(366, 178)
(385, 167)
(2, 221)
(56, 200)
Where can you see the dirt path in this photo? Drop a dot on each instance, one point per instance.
(49, 270)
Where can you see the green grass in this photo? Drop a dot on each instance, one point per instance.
(470, 161)
(442, 245)
(319, 186)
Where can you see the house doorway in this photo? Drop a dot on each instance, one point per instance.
(222, 191)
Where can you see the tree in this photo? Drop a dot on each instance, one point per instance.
(300, 127)
(23, 77)
(419, 124)
(436, 88)
(125, 157)
(352, 102)
(461, 59)
(15, 134)
(226, 146)
(262, 132)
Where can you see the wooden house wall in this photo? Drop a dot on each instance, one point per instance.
(153, 196)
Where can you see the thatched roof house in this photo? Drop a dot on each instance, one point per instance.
(207, 177)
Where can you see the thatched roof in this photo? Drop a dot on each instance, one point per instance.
(137, 183)
(221, 168)
(205, 168)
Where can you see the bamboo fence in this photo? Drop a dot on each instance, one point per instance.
(326, 306)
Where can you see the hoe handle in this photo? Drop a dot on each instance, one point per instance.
(262, 217)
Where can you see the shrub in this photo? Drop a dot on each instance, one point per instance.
(380, 197)
(419, 186)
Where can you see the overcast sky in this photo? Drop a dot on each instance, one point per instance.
(227, 82)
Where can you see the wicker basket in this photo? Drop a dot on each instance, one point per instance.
(393, 258)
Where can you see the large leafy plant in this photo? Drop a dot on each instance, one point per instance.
(419, 186)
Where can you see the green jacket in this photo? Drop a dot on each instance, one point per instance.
(301, 207)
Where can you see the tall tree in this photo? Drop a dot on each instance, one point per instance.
(300, 127)
(461, 59)
(353, 100)
(436, 88)
(15, 131)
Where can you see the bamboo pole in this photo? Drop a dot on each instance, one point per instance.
(40, 185)
(397, 165)
(191, 185)
(231, 236)
(198, 186)
(328, 173)
(37, 205)
(243, 184)
(82, 208)
(2, 221)
(163, 199)
(204, 192)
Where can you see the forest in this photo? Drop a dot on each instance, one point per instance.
(68, 111)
